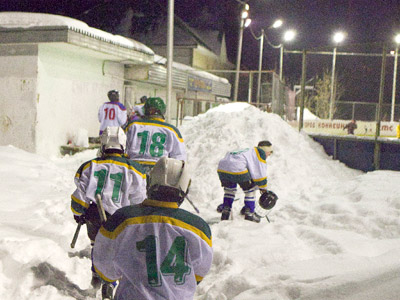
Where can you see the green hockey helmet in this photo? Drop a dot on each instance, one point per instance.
(154, 106)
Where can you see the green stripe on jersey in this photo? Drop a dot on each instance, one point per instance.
(260, 154)
(157, 123)
(234, 177)
(142, 214)
(113, 159)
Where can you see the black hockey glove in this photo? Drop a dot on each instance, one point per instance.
(80, 219)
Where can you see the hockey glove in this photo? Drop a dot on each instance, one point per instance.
(80, 219)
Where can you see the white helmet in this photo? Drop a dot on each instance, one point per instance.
(113, 138)
(169, 180)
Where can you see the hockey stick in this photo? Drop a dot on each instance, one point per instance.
(191, 203)
(100, 207)
(78, 228)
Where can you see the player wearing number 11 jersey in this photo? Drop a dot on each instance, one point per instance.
(119, 181)
(151, 138)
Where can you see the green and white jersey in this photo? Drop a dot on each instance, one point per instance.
(155, 250)
(243, 165)
(150, 139)
(119, 180)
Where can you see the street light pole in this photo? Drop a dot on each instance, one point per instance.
(281, 63)
(238, 58)
(259, 67)
(243, 17)
(170, 57)
(287, 37)
(332, 85)
(337, 38)
(396, 53)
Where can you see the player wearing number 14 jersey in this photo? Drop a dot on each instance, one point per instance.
(151, 138)
(155, 249)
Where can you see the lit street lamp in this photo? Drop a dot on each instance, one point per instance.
(278, 23)
(244, 22)
(337, 38)
(396, 53)
(287, 37)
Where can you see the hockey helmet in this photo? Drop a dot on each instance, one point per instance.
(169, 180)
(154, 106)
(267, 200)
(266, 146)
(113, 95)
(113, 138)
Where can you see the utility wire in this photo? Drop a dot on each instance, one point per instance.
(92, 8)
(266, 38)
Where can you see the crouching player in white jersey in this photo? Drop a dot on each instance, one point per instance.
(248, 168)
(119, 181)
(151, 138)
(156, 249)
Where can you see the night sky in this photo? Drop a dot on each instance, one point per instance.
(368, 24)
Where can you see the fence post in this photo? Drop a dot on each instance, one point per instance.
(249, 93)
(303, 87)
(378, 120)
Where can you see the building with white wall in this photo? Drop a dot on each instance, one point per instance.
(56, 72)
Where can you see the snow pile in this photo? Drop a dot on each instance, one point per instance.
(334, 233)
(240, 125)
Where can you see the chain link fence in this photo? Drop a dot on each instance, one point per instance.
(365, 111)
(273, 95)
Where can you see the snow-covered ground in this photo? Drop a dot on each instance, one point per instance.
(334, 233)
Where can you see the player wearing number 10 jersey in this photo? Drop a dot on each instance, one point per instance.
(151, 138)
(112, 113)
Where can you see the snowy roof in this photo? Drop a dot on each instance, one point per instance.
(162, 60)
(28, 20)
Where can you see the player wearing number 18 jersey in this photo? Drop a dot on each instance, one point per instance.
(112, 113)
(151, 138)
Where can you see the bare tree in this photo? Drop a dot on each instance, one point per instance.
(318, 102)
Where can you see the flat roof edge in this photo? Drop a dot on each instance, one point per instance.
(75, 36)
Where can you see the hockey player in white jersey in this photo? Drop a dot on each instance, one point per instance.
(151, 138)
(112, 113)
(119, 180)
(155, 249)
(139, 108)
(246, 167)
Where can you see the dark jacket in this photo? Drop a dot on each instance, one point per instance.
(350, 127)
